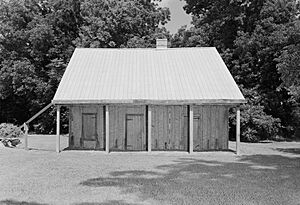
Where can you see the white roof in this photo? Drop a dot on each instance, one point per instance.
(147, 76)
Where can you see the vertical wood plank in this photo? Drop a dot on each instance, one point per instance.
(149, 128)
(106, 129)
(26, 136)
(238, 130)
(217, 127)
(221, 127)
(76, 128)
(160, 135)
(221, 130)
(169, 125)
(226, 128)
(201, 127)
(58, 129)
(165, 127)
(191, 127)
(209, 129)
(71, 138)
(118, 126)
(122, 124)
(99, 126)
(143, 128)
(180, 126)
(158, 124)
(176, 127)
(197, 130)
(185, 128)
(206, 127)
(111, 123)
(212, 127)
(153, 127)
(80, 123)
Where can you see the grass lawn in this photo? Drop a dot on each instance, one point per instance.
(265, 173)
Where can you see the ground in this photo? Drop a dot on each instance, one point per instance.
(265, 173)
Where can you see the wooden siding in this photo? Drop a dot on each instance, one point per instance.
(210, 128)
(118, 128)
(169, 127)
(168, 132)
(76, 127)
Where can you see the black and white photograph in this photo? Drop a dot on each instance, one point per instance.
(149, 102)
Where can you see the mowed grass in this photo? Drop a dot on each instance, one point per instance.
(265, 173)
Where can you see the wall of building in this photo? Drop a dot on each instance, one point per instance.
(76, 127)
(169, 128)
(128, 130)
(210, 127)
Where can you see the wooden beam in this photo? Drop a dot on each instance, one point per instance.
(26, 136)
(238, 130)
(58, 129)
(36, 115)
(40, 112)
(106, 129)
(149, 128)
(191, 129)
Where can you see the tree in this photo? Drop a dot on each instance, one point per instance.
(37, 39)
(114, 24)
(289, 62)
(36, 43)
(256, 39)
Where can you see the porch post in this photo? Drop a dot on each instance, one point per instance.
(106, 129)
(26, 136)
(149, 128)
(58, 129)
(191, 129)
(238, 130)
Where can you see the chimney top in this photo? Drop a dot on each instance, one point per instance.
(162, 43)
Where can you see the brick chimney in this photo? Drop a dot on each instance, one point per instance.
(162, 43)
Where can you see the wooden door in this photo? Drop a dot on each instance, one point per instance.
(89, 139)
(89, 126)
(134, 132)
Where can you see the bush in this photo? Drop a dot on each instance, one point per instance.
(256, 125)
(8, 130)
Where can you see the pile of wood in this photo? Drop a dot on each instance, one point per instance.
(10, 142)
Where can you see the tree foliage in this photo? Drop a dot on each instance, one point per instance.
(37, 39)
(259, 41)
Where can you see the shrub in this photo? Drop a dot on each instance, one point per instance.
(256, 125)
(8, 130)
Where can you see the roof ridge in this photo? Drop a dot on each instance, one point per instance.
(179, 48)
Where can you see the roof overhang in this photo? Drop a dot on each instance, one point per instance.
(152, 102)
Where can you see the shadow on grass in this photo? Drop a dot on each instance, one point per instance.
(111, 202)
(259, 179)
(289, 150)
(14, 202)
(41, 149)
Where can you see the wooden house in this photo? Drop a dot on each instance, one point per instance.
(147, 99)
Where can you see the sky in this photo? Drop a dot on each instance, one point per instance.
(178, 15)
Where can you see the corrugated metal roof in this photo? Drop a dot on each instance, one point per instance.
(152, 76)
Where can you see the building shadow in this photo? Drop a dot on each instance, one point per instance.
(260, 179)
(14, 202)
(110, 202)
(289, 150)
